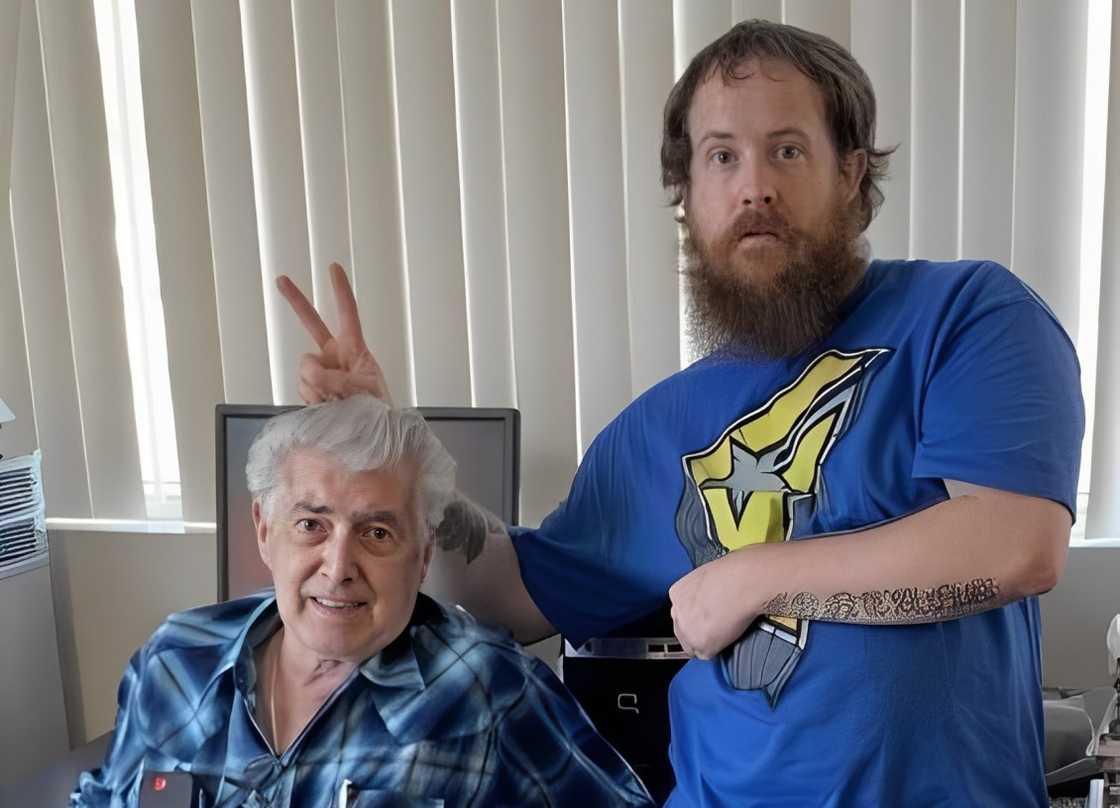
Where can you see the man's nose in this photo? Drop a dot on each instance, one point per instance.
(338, 558)
(757, 188)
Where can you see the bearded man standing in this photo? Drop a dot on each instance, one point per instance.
(851, 500)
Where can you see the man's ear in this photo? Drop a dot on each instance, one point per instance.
(261, 528)
(429, 551)
(852, 169)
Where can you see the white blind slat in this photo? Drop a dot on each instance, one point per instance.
(235, 248)
(530, 47)
(371, 157)
(43, 287)
(324, 152)
(1049, 121)
(988, 129)
(696, 23)
(596, 212)
(695, 26)
(429, 165)
(756, 9)
(833, 18)
(653, 286)
(186, 276)
(85, 212)
(1103, 518)
(482, 194)
(274, 132)
(934, 175)
(881, 44)
(18, 437)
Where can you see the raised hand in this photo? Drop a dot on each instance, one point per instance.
(344, 365)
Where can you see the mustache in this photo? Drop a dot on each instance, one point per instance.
(755, 221)
(748, 222)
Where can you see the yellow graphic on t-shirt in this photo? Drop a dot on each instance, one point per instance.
(749, 475)
(762, 475)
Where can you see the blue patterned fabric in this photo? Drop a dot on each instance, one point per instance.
(451, 713)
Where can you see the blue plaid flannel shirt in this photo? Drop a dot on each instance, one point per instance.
(451, 713)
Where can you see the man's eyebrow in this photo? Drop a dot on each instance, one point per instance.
(304, 505)
(389, 518)
(714, 135)
(789, 131)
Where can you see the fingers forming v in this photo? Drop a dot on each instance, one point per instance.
(349, 325)
(305, 311)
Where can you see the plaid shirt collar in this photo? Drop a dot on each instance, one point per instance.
(395, 671)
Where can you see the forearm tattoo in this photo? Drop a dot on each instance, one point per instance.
(465, 527)
(908, 605)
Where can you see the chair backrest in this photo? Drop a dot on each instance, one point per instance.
(484, 441)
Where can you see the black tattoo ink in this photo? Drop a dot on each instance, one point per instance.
(907, 605)
(465, 527)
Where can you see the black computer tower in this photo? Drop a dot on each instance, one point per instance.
(622, 681)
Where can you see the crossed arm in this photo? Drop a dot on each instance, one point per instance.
(980, 549)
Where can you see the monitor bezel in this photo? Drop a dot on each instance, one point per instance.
(510, 418)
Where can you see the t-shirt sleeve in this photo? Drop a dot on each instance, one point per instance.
(582, 566)
(1002, 403)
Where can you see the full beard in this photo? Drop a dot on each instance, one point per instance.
(741, 307)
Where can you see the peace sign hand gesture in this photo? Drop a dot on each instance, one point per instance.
(344, 365)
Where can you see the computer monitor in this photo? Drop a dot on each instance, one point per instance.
(483, 441)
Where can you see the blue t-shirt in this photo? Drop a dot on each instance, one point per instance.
(937, 371)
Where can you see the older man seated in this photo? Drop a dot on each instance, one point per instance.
(345, 685)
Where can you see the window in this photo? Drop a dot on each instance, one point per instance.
(1097, 68)
(136, 248)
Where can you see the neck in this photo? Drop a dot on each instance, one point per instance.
(303, 669)
(297, 685)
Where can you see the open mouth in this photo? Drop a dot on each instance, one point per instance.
(338, 606)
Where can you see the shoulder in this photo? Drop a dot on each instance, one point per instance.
(659, 408)
(473, 657)
(174, 672)
(452, 633)
(184, 655)
(970, 282)
(946, 299)
(216, 626)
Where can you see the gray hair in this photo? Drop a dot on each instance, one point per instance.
(363, 433)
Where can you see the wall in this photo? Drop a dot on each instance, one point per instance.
(111, 590)
(1075, 615)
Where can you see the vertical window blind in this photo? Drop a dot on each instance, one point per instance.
(488, 172)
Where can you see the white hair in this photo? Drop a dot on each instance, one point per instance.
(362, 433)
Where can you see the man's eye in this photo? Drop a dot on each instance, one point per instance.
(308, 525)
(722, 157)
(379, 534)
(789, 152)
